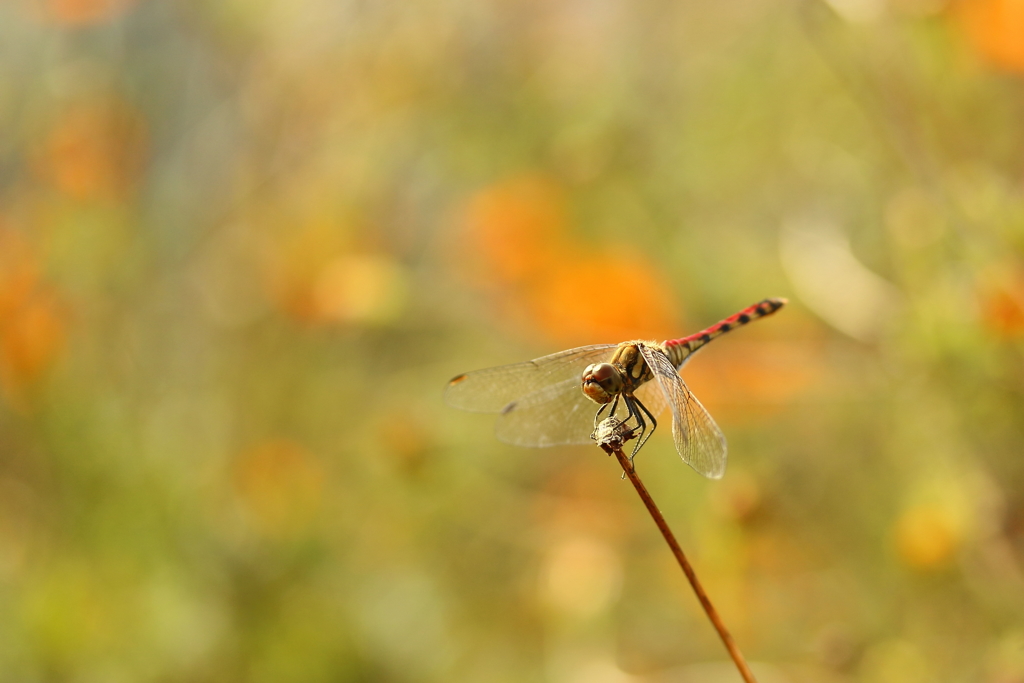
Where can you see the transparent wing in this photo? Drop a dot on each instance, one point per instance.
(555, 415)
(653, 398)
(698, 439)
(494, 389)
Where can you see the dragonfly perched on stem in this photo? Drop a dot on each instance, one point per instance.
(559, 399)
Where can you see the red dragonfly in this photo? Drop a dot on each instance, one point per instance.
(550, 401)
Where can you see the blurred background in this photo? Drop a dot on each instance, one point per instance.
(244, 245)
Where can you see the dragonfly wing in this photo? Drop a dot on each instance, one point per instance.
(494, 389)
(698, 439)
(555, 415)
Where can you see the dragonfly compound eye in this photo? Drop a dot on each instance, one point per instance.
(601, 382)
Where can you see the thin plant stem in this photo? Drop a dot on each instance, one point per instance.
(615, 448)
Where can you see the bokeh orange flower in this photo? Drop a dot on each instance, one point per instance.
(603, 296)
(94, 150)
(1004, 312)
(85, 12)
(995, 29)
(33, 321)
(516, 246)
(30, 340)
(515, 230)
(1001, 300)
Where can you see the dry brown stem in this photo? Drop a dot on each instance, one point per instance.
(611, 436)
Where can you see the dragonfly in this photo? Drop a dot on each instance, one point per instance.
(558, 399)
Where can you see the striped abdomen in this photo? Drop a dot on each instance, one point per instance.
(681, 349)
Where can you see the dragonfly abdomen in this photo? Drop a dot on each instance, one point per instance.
(680, 349)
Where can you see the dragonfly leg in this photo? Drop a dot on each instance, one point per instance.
(598, 415)
(633, 413)
(641, 426)
(654, 425)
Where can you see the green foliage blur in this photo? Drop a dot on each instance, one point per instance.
(244, 245)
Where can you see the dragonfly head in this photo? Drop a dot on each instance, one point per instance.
(602, 382)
